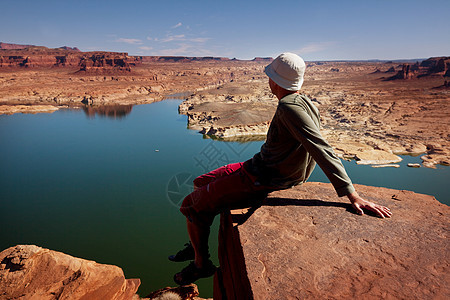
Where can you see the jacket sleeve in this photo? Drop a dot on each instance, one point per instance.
(302, 127)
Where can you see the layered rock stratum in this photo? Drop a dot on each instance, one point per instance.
(306, 243)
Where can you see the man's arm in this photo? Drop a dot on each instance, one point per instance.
(303, 128)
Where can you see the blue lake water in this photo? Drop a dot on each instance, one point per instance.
(108, 189)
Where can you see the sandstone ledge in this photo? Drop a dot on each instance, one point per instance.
(32, 272)
(305, 243)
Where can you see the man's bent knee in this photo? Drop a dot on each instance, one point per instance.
(199, 219)
(188, 210)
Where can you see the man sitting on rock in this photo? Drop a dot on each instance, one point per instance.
(293, 147)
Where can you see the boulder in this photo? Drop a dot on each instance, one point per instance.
(32, 272)
(306, 243)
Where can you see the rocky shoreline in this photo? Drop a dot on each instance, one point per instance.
(364, 116)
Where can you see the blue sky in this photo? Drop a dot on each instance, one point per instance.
(315, 29)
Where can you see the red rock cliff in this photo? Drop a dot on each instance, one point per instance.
(31, 272)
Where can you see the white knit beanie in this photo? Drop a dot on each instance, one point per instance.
(287, 71)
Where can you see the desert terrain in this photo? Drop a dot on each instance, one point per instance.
(371, 111)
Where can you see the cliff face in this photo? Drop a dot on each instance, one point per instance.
(104, 63)
(31, 272)
(305, 243)
(42, 57)
(20, 56)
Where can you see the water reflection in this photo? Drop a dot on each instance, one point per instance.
(115, 111)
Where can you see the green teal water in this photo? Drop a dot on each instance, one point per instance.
(108, 189)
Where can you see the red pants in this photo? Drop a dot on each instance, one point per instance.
(230, 186)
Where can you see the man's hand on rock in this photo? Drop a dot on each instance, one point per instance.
(359, 204)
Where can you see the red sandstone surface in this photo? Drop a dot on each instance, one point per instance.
(31, 272)
(306, 243)
(35, 273)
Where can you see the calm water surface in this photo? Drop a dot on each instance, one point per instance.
(107, 189)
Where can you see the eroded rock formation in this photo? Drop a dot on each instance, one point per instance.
(434, 66)
(31, 272)
(306, 243)
(104, 63)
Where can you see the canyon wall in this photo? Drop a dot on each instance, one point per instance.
(42, 57)
(29, 56)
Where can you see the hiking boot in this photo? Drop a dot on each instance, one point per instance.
(191, 273)
(183, 255)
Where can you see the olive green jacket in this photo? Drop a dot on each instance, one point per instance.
(294, 145)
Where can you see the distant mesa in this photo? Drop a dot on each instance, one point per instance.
(14, 46)
(264, 59)
(178, 58)
(8, 46)
(432, 67)
(96, 62)
(30, 56)
(70, 48)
